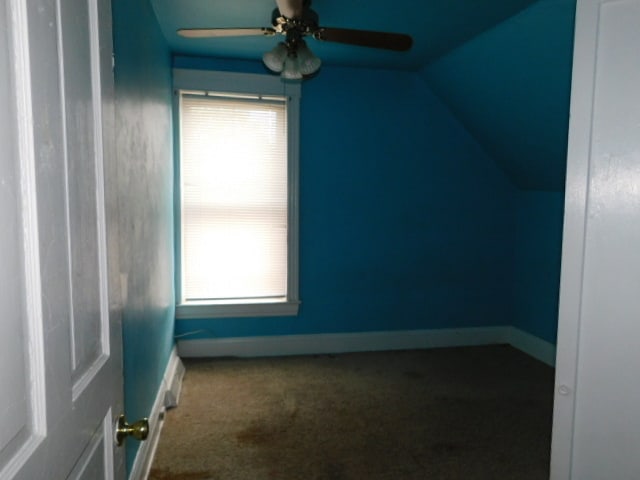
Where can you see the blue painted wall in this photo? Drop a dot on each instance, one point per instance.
(538, 253)
(510, 87)
(144, 146)
(405, 222)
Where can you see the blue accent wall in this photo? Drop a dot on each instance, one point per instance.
(510, 87)
(538, 253)
(144, 154)
(405, 222)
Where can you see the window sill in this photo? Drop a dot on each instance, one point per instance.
(227, 310)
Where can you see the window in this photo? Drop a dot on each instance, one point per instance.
(237, 183)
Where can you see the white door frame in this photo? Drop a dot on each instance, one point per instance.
(596, 425)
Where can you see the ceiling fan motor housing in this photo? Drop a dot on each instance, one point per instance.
(295, 28)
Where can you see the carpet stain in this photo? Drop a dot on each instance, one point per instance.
(265, 432)
(274, 474)
(159, 474)
(335, 471)
(446, 448)
(255, 435)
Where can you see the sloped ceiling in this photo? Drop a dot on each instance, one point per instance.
(510, 86)
(502, 66)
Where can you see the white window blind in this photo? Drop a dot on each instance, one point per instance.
(233, 155)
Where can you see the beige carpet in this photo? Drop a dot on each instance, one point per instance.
(463, 413)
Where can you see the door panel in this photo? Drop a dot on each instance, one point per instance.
(14, 414)
(60, 348)
(22, 372)
(84, 175)
(94, 461)
(607, 427)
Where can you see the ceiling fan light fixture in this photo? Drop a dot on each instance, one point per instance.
(276, 58)
(291, 70)
(308, 63)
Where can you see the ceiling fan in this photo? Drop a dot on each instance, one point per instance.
(295, 20)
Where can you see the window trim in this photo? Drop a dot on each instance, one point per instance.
(243, 84)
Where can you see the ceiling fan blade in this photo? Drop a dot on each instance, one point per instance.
(223, 32)
(365, 38)
(290, 8)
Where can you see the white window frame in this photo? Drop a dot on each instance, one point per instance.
(244, 84)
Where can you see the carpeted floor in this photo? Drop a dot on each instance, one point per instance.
(459, 413)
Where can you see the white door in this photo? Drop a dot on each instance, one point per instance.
(60, 340)
(596, 429)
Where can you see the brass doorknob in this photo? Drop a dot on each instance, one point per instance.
(139, 430)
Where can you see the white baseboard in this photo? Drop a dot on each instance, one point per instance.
(167, 397)
(532, 345)
(367, 342)
(325, 343)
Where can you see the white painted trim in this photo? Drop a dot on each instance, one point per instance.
(235, 82)
(574, 234)
(167, 396)
(532, 345)
(173, 380)
(218, 310)
(368, 342)
(340, 342)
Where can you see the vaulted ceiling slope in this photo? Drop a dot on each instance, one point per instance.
(510, 86)
(437, 26)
